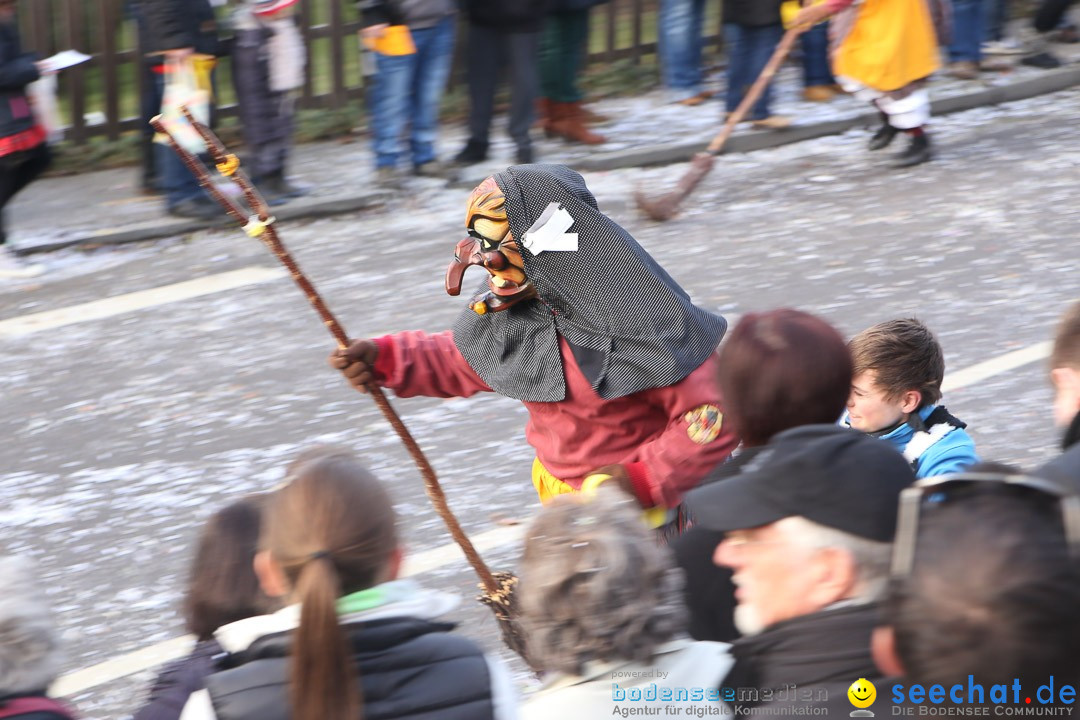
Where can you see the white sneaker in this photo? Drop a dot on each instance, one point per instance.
(13, 267)
(1008, 46)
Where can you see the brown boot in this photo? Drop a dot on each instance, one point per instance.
(543, 115)
(571, 124)
(591, 117)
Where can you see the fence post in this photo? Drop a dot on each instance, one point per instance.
(74, 35)
(305, 30)
(635, 53)
(609, 56)
(110, 80)
(337, 55)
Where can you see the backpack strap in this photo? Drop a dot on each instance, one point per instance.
(34, 704)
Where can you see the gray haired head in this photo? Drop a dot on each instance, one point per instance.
(29, 656)
(595, 585)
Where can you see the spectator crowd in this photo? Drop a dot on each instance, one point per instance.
(882, 51)
(854, 540)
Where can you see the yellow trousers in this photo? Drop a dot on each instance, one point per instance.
(548, 486)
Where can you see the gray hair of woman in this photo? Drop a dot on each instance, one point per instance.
(595, 585)
(29, 655)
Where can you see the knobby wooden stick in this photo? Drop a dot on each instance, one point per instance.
(225, 161)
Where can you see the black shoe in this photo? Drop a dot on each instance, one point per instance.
(883, 137)
(525, 156)
(473, 152)
(436, 169)
(277, 184)
(1043, 60)
(196, 209)
(916, 153)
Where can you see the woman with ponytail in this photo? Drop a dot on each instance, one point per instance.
(355, 641)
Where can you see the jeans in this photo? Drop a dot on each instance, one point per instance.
(408, 89)
(174, 179)
(815, 47)
(967, 31)
(749, 49)
(681, 44)
(995, 15)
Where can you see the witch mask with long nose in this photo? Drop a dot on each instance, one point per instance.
(491, 246)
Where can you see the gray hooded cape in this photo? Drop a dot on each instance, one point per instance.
(629, 325)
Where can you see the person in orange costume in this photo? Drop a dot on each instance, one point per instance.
(615, 364)
(885, 51)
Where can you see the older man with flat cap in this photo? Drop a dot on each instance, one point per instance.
(809, 525)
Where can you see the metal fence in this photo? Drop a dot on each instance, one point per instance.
(101, 96)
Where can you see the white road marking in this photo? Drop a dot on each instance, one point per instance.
(120, 667)
(449, 554)
(996, 366)
(444, 555)
(129, 302)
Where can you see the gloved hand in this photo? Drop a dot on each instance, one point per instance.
(357, 363)
(613, 474)
(618, 476)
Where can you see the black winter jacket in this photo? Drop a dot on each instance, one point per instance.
(17, 70)
(820, 655)
(175, 24)
(709, 591)
(752, 13)
(515, 16)
(566, 5)
(414, 13)
(1065, 468)
(178, 680)
(409, 669)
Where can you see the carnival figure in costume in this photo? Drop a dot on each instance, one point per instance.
(884, 52)
(615, 364)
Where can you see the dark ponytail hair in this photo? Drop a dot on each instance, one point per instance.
(222, 586)
(332, 531)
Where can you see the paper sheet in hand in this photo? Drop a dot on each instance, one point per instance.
(65, 59)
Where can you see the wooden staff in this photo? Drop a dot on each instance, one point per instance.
(498, 587)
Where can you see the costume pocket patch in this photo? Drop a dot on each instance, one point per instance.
(704, 423)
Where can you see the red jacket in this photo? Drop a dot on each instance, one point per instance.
(668, 438)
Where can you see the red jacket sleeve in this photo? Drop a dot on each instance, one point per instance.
(414, 363)
(696, 439)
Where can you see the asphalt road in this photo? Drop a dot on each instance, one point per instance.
(127, 430)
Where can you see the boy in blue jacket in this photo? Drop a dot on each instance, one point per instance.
(899, 367)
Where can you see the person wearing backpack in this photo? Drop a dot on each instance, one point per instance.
(355, 640)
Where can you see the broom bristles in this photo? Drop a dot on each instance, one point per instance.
(666, 206)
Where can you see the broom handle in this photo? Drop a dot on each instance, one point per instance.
(755, 91)
(270, 239)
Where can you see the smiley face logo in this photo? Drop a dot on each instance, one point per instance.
(862, 693)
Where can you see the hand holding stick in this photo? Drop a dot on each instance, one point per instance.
(498, 587)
